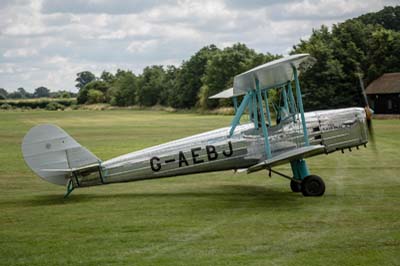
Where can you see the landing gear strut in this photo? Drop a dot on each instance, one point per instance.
(310, 186)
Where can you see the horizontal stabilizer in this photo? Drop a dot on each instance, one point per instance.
(288, 156)
(69, 170)
(52, 154)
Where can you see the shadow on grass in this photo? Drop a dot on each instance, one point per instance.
(224, 194)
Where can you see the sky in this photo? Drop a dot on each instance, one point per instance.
(46, 42)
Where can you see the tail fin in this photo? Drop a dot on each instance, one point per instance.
(52, 154)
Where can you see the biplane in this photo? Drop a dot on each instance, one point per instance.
(259, 144)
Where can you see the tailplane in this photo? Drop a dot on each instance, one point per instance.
(53, 155)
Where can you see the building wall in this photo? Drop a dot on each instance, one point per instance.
(385, 103)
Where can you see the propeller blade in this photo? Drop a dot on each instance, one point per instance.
(368, 111)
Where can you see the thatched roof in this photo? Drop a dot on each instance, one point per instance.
(385, 84)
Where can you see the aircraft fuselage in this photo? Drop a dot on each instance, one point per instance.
(216, 151)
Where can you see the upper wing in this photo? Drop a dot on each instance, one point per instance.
(272, 74)
(288, 156)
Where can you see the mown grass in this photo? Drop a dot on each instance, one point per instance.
(208, 219)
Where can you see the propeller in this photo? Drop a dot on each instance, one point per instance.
(368, 111)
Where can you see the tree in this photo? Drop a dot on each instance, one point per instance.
(24, 93)
(384, 53)
(84, 78)
(20, 93)
(83, 95)
(388, 17)
(107, 77)
(123, 88)
(64, 94)
(169, 84)
(3, 94)
(41, 92)
(151, 84)
(318, 84)
(224, 65)
(95, 96)
(183, 93)
(15, 95)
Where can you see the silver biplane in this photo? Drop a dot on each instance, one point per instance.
(248, 147)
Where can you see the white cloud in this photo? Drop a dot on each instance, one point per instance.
(20, 52)
(311, 9)
(56, 60)
(141, 46)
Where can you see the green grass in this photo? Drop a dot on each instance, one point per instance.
(208, 219)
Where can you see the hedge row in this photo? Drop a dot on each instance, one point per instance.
(38, 103)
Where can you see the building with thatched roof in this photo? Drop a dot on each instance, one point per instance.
(384, 94)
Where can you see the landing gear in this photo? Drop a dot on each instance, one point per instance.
(295, 186)
(312, 186)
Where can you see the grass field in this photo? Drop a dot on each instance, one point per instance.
(208, 219)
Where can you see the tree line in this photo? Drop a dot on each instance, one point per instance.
(368, 46)
(207, 72)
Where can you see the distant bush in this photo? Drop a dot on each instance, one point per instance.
(6, 106)
(95, 96)
(74, 106)
(54, 106)
(95, 107)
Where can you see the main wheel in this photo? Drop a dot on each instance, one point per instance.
(295, 186)
(313, 186)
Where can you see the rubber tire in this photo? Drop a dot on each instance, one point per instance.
(313, 186)
(295, 187)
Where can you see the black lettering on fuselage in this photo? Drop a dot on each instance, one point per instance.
(195, 155)
(211, 153)
(230, 152)
(157, 166)
(182, 159)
